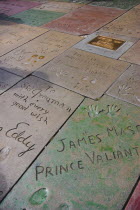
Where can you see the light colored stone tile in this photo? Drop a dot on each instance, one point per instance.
(58, 6)
(127, 87)
(85, 45)
(6, 26)
(92, 163)
(83, 72)
(31, 113)
(31, 56)
(7, 80)
(128, 24)
(14, 35)
(84, 20)
(133, 54)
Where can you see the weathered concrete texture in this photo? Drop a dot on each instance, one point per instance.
(134, 202)
(107, 42)
(125, 4)
(11, 7)
(29, 57)
(92, 163)
(6, 26)
(85, 73)
(58, 6)
(84, 20)
(68, 1)
(7, 80)
(14, 35)
(127, 86)
(36, 17)
(75, 1)
(138, 6)
(133, 54)
(31, 112)
(128, 24)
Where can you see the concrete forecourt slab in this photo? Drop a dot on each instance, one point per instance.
(29, 57)
(93, 159)
(127, 86)
(83, 72)
(31, 113)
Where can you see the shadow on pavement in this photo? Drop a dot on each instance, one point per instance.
(9, 18)
(6, 76)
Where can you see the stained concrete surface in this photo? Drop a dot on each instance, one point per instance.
(84, 20)
(32, 55)
(85, 158)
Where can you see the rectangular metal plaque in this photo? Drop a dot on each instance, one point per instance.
(107, 42)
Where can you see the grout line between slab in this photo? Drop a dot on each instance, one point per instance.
(120, 99)
(31, 74)
(25, 42)
(118, 78)
(128, 50)
(133, 189)
(93, 31)
(116, 18)
(60, 86)
(41, 151)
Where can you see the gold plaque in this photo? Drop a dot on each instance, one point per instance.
(107, 42)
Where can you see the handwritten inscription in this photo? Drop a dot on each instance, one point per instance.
(97, 138)
(18, 133)
(30, 99)
(92, 139)
(105, 139)
(93, 158)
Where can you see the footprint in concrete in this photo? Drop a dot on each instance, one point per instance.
(39, 197)
(4, 152)
(63, 206)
